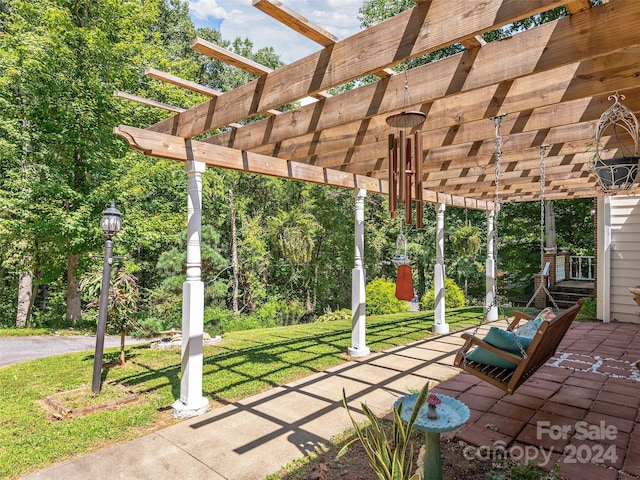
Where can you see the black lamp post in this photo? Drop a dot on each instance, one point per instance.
(110, 223)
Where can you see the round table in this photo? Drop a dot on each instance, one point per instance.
(452, 414)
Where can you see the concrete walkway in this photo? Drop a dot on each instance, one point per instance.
(254, 437)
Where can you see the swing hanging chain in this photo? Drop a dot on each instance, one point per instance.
(543, 149)
(542, 286)
(497, 122)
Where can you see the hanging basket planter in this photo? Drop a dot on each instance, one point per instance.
(615, 173)
(617, 130)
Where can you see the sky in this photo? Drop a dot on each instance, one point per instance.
(238, 18)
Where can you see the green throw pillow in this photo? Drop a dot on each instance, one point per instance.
(504, 340)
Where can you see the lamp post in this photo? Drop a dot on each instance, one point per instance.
(110, 223)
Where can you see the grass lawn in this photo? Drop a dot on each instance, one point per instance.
(243, 364)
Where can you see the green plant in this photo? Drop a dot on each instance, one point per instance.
(466, 240)
(281, 312)
(453, 296)
(124, 297)
(381, 298)
(342, 314)
(148, 327)
(390, 458)
(588, 311)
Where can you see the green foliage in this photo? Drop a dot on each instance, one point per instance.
(466, 241)
(342, 314)
(390, 458)
(281, 312)
(453, 296)
(149, 327)
(381, 298)
(124, 298)
(292, 233)
(589, 311)
(218, 320)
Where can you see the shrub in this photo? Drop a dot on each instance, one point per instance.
(453, 296)
(381, 298)
(148, 327)
(218, 320)
(589, 311)
(342, 314)
(281, 312)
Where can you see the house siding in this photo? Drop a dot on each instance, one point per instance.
(625, 257)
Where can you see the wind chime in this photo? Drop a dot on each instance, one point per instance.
(405, 164)
(405, 184)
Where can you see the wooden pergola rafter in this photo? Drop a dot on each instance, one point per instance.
(552, 82)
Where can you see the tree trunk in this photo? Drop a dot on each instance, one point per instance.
(73, 291)
(123, 334)
(25, 299)
(234, 255)
(549, 224)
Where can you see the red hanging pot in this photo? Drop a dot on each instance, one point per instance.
(404, 283)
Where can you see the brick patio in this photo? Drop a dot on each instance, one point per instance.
(579, 413)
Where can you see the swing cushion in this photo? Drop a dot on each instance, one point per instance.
(504, 340)
(530, 328)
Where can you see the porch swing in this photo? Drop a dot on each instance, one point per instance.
(506, 358)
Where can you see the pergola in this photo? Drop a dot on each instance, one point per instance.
(551, 83)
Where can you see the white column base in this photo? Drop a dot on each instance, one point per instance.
(358, 346)
(440, 328)
(358, 352)
(191, 402)
(181, 410)
(440, 324)
(491, 301)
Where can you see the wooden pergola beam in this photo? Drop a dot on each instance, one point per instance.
(535, 51)
(350, 144)
(407, 35)
(303, 26)
(148, 102)
(214, 51)
(177, 148)
(297, 22)
(181, 82)
(577, 6)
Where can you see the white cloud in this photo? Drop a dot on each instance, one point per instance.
(206, 9)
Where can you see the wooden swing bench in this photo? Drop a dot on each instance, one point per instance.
(542, 347)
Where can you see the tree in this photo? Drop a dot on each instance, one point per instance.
(61, 63)
(166, 300)
(124, 298)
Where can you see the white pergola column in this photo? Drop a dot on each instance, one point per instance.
(358, 346)
(603, 259)
(440, 325)
(191, 402)
(490, 271)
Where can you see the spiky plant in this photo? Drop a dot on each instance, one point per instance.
(390, 458)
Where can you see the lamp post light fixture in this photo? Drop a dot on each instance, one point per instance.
(110, 223)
